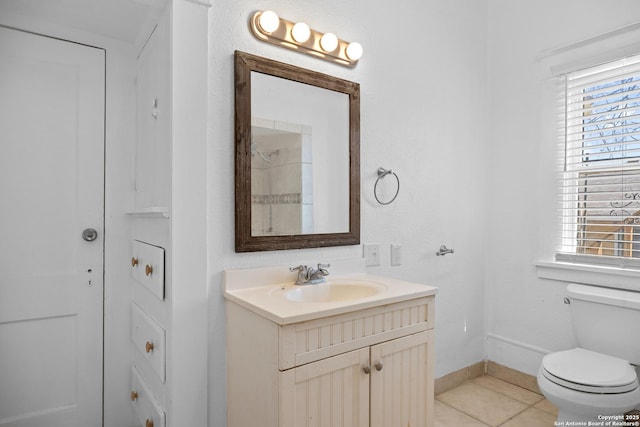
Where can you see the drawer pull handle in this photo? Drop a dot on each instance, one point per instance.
(378, 365)
(134, 395)
(148, 423)
(366, 369)
(148, 270)
(148, 346)
(134, 261)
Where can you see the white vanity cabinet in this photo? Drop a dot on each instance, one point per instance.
(369, 367)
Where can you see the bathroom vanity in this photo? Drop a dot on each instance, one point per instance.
(355, 351)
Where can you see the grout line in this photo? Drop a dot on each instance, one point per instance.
(526, 408)
(462, 412)
(513, 385)
(515, 415)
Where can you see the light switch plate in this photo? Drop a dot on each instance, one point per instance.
(396, 254)
(371, 254)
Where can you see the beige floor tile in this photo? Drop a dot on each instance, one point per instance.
(513, 391)
(532, 417)
(479, 402)
(547, 406)
(446, 416)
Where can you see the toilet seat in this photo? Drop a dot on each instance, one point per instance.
(590, 372)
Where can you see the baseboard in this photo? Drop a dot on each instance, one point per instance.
(454, 379)
(513, 376)
(487, 367)
(518, 355)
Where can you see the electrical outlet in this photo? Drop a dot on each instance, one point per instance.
(396, 254)
(371, 254)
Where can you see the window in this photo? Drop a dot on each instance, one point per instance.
(600, 164)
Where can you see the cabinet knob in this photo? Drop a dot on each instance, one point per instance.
(134, 395)
(366, 369)
(148, 346)
(148, 270)
(378, 365)
(134, 261)
(148, 423)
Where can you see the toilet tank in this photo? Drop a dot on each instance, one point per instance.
(606, 320)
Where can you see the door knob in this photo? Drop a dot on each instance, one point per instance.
(148, 423)
(148, 270)
(134, 395)
(378, 365)
(134, 261)
(366, 369)
(148, 346)
(89, 234)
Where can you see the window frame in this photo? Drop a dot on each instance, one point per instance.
(574, 224)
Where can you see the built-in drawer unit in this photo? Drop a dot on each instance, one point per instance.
(149, 338)
(147, 267)
(145, 406)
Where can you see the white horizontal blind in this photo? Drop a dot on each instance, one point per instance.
(599, 190)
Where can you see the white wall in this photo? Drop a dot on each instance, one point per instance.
(187, 356)
(423, 109)
(526, 315)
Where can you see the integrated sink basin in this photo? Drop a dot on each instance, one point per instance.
(271, 292)
(333, 291)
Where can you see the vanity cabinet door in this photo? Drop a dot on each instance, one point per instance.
(402, 382)
(330, 392)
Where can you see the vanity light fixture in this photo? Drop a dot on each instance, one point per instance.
(268, 26)
(329, 42)
(354, 51)
(301, 32)
(269, 21)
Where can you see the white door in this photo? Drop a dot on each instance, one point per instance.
(51, 189)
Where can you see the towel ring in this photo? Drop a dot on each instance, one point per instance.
(382, 172)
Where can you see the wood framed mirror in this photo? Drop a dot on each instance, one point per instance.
(297, 157)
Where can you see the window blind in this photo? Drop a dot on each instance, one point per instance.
(599, 191)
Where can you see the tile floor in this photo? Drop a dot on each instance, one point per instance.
(488, 401)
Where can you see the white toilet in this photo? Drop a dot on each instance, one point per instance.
(598, 378)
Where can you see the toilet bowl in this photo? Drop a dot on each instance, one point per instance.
(598, 378)
(587, 385)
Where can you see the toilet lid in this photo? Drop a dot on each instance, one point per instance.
(580, 369)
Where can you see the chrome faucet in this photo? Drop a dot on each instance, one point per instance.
(309, 275)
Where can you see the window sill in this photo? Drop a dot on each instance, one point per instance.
(610, 277)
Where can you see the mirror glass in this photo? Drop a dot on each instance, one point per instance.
(297, 157)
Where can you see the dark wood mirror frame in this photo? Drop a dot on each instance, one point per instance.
(245, 242)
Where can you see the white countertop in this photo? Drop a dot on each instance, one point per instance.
(264, 291)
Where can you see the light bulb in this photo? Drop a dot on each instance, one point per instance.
(329, 42)
(269, 21)
(354, 51)
(301, 32)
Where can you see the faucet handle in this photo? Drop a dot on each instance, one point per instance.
(322, 269)
(299, 268)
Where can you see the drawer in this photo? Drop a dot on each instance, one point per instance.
(306, 342)
(149, 338)
(144, 404)
(147, 267)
